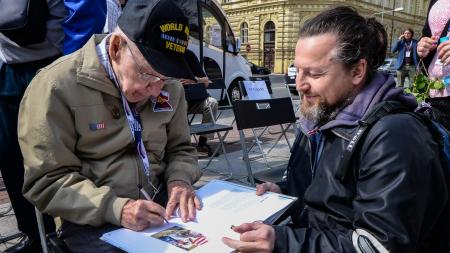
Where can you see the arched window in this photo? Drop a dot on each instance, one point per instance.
(244, 32)
(269, 32)
(269, 45)
(207, 35)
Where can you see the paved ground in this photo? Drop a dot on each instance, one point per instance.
(272, 170)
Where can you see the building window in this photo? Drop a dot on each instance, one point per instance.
(244, 32)
(207, 35)
(269, 32)
(409, 6)
(269, 45)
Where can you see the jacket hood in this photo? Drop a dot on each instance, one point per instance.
(381, 88)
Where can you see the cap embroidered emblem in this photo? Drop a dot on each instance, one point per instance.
(97, 126)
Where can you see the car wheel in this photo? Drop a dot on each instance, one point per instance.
(234, 92)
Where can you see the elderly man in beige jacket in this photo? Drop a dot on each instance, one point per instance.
(104, 131)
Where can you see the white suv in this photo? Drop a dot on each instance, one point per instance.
(218, 46)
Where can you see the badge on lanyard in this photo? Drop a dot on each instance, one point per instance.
(161, 103)
(408, 50)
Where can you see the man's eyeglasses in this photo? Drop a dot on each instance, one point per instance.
(144, 76)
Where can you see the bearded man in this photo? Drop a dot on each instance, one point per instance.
(393, 191)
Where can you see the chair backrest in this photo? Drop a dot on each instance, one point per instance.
(219, 84)
(195, 92)
(261, 113)
(263, 78)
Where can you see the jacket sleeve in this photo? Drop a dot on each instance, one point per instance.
(396, 46)
(181, 158)
(400, 193)
(52, 181)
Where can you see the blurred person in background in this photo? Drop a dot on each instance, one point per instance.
(22, 58)
(407, 60)
(204, 106)
(436, 57)
(88, 17)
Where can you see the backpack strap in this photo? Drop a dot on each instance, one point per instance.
(379, 111)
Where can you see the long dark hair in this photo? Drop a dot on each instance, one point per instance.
(357, 37)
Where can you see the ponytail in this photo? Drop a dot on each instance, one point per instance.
(379, 43)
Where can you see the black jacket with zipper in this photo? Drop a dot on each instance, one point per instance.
(394, 191)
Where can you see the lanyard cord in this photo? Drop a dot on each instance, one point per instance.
(133, 117)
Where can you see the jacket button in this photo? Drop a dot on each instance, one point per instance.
(115, 112)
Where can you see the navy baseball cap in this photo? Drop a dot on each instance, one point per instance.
(160, 30)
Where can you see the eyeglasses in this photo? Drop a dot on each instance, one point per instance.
(144, 76)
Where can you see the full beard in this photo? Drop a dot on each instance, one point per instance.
(321, 112)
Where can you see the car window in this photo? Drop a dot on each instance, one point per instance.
(212, 69)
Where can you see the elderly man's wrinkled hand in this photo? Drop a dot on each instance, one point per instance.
(255, 237)
(140, 214)
(182, 195)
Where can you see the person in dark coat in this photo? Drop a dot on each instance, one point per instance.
(436, 57)
(407, 59)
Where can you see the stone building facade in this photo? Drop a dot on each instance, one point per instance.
(268, 28)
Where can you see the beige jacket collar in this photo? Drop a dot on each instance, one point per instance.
(91, 73)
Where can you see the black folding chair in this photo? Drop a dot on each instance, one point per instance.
(49, 241)
(219, 84)
(196, 93)
(258, 136)
(193, 93)
(4, 212)
(261, 113)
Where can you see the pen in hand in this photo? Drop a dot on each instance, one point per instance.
(147, 197)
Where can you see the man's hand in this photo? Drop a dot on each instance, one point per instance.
(187, 81)
(425, 45)
(203, 80)
(401, 37)
(255, 237)
(182, 195)
(140, 214)
(267, 186)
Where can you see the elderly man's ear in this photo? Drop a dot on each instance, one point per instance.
(116, 44)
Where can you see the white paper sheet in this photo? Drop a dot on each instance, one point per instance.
(256, 90)
(224, 204)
